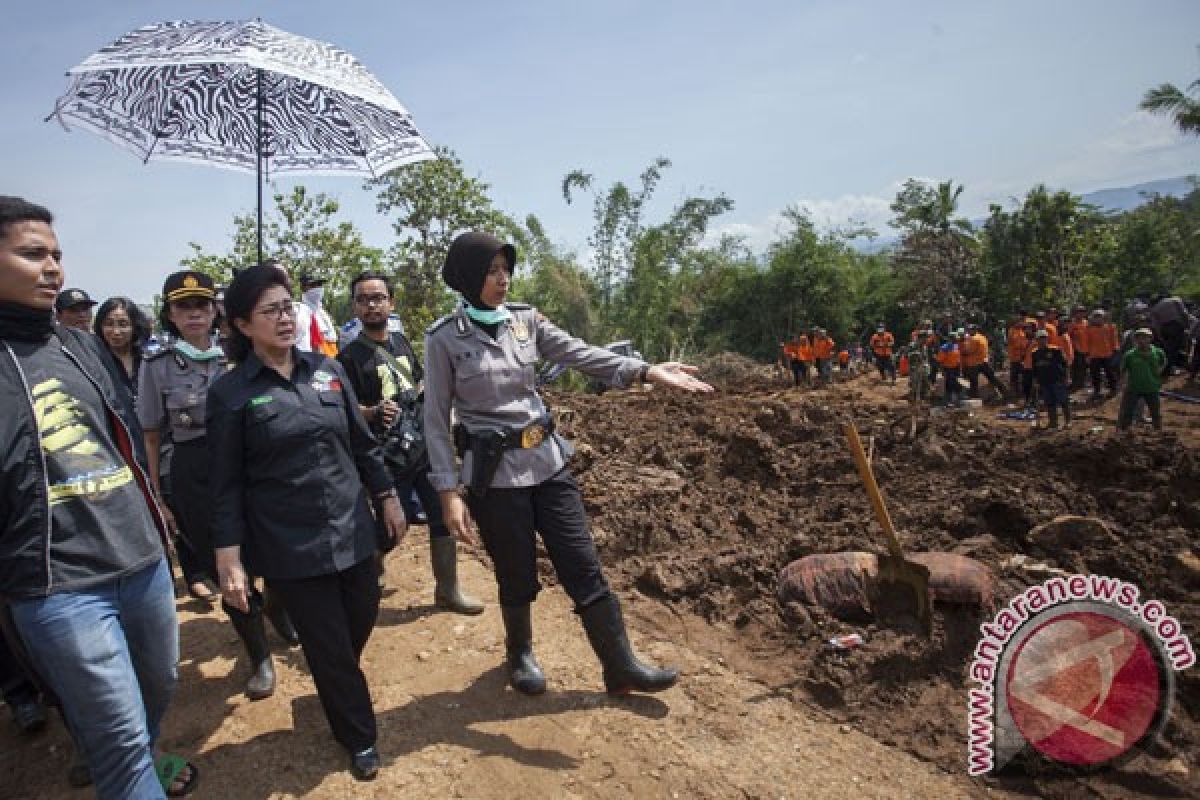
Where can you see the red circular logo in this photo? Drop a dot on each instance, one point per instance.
(1084, 688)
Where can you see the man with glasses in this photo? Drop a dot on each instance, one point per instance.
(386, 376)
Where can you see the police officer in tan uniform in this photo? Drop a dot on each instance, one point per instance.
(480, 363)
(172, 394)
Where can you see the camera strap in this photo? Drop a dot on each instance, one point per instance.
(402, 372)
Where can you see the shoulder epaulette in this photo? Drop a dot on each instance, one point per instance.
(437, 324)
(155, 356)
(518, 306)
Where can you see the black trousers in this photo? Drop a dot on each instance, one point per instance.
(334, 615)
(1102, 371)
(15, 686)
(191, 503)
(431, 502)
(984, 369)
(508, 521)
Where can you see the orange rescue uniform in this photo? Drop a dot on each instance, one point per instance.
(1102, 340)
(882, 343)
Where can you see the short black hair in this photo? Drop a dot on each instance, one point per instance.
(370, 276)
(241, 296)
(18, 209)
(141, 323)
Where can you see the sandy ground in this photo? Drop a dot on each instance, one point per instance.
(450, 727)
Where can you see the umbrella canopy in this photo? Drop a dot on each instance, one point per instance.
(244, 96)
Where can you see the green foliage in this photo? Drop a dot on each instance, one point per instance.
(938, 257)
(1169, 100)
(301, 231)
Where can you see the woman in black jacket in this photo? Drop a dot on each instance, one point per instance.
(292, 461)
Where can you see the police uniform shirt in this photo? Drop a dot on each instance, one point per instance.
(491, 384)
(289, 460)
(171, 394)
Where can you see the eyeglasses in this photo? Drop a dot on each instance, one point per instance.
(277, 311)
(117, 325)
(371, 299)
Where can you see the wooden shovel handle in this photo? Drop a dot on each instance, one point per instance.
(873, 493)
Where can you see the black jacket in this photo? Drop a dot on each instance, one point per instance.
(25, 516)
(289, 459)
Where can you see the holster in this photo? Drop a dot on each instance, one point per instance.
(487, 448)
(487, 451)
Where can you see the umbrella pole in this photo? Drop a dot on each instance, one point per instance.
(259, 149)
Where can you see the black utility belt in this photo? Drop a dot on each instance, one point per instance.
(488, 446)
(527, 438)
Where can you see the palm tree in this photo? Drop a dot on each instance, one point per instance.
(1170, 100)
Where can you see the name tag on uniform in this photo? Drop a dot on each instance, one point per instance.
(520, 330)
(325, 382)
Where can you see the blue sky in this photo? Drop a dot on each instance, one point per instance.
(830, 105)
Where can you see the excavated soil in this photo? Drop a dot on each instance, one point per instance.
(700, 501)
(697, 503)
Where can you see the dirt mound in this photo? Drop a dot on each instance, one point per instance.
(700, 502)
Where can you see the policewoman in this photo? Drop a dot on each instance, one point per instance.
(386, 376)
(294, 472)
(172, 394)
(480, 363)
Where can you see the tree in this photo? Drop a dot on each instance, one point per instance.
(617, 215)
(1169, 100)
(429, 204)
(551, 280)
(300, 230)
(938, 255)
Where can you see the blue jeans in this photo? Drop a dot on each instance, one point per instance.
(110, 652)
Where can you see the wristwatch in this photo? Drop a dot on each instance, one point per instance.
(379, 498)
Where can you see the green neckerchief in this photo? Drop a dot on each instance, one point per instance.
(492, 316)
(198, 355)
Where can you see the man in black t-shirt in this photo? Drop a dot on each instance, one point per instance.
(386, 376)
(82, 563)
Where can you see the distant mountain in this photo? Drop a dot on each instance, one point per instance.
(1130, 197)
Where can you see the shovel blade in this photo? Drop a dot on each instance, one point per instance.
(901, 590)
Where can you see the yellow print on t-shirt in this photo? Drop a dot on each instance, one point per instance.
(67, 441)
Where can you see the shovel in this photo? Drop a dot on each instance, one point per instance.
(902, 587)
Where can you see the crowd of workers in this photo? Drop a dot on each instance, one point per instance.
(280, 465)
(1051, 356)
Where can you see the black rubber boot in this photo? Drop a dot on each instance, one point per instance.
(623, 672)
(443, 552)
(280, 620)
(524, 673)
(254, 635)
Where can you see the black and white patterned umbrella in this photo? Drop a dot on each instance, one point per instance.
(244, 96)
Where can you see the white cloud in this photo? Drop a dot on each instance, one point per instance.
(1137, 147)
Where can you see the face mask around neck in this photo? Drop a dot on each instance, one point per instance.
(313, 297)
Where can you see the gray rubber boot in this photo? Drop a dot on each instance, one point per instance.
(623, 672)
(443, 551)
(524, 673)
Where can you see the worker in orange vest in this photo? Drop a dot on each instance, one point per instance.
(949, 357)
(1102, 345)
(791, 358)
(804, 352)
(823, 349)
(882, 345)
(1077, 331)
(1017, 344)
(976, 361)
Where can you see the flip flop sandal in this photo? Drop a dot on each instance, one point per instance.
(168, 767)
